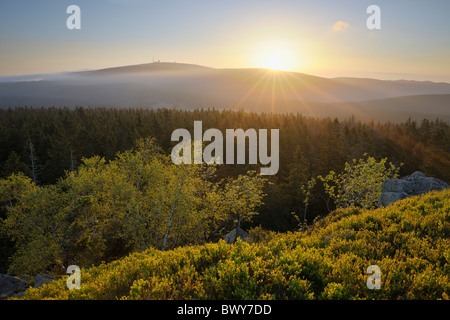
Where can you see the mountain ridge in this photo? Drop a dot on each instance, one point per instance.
(179, 66)
(189, 86)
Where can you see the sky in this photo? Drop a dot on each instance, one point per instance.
(325, 37)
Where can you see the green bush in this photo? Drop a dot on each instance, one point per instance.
(328, 261)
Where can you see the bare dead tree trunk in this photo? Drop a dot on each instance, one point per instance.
(34, 168)
(72, 162)
(172, 211)
(304, 218)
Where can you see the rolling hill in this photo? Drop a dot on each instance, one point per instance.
(187, 86)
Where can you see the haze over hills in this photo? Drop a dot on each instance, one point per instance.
(189, 86)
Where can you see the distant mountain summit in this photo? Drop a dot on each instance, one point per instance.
(147, 69)
(189, 86)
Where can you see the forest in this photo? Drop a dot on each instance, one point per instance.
(88, 161)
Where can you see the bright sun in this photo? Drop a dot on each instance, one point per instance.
(276, 57)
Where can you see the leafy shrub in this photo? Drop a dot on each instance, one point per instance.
(328, 261)
(106, 210)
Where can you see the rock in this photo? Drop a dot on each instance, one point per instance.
(12, 286)
(234, 234)
(387, 198)
(41, 279)
(394, 185)
(417, 183)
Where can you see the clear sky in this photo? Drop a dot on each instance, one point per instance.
(324, 37)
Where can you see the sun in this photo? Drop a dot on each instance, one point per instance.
(275, 61)
(277, 56)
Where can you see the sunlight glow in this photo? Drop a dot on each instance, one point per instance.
(277, 56)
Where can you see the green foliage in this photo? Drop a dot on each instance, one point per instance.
(359, 185)
(107, 209)
(307, 191)
(308, 147)
(409, 241)
(13, 164)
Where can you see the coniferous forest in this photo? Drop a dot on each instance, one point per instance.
(88, 154)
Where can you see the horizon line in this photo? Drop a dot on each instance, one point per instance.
(3, 77)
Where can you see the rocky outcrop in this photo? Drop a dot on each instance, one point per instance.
(236, 233)
(12, 286)
(41, 279)
(417, 183)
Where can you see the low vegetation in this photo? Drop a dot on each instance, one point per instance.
(409, 241)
